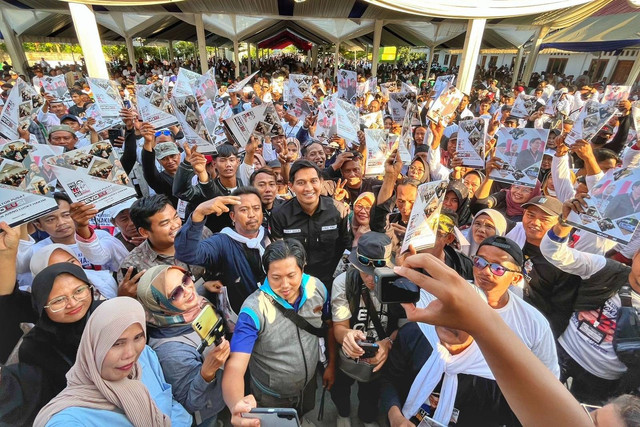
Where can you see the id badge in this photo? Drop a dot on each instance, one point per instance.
(591, 332)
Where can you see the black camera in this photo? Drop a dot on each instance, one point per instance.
(391, 288)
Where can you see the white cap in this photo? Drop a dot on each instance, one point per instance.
(114, 211)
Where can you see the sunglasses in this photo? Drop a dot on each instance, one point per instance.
(178, 292)
(496, 269)
(371, 261)
(164, 132)
(259, 145)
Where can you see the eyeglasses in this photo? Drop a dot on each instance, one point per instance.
(178, 292)
(259, 145)
(165, 132)
(589, 409)
(58, 304)
(496, 269)
(415, 169)
(371, 261)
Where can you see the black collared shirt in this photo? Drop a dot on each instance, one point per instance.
(325, 234)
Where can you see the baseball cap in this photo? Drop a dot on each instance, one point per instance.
(114, 211)
(549, 205)
(373, 247)
(165, 149)
(607, 129)
(507, 245)
(69, 117)
(334, 145)
(454, 136)
(63, 128)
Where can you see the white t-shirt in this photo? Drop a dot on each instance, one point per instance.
(580, 339)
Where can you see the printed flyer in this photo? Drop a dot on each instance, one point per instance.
(520, 151)
(422, 227)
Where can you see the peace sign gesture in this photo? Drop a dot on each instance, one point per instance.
(340, 193)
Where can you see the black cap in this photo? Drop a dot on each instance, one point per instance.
(549, 205)
(507, 245)
(70, 117)
(372, 245)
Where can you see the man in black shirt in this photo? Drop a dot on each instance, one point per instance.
(318, 222)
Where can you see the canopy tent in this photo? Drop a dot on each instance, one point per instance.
(614, 27)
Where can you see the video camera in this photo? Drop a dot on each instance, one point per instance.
(391, 288)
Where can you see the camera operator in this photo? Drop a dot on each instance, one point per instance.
(358, 316)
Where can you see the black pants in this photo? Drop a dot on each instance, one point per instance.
(585, 387)
(304, 402)
(368, 395)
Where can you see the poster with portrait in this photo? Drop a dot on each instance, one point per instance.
(398, 103)
(107, 96)
(299, 86)
(472, 135)
(442, 83)
(212, 118)
(187, 112)
(387, 88)
(444, 107)
(378, 150)
(368, 86)
(552, 103)
(523, 106)
(613, 210)
(615, 93)
(21, 106)
(301, 109)
(327, 123)
(93, 174)
(520, 151)
(57, 87)
(347, 120)
(154, 106)
(422, 227)
(592, 117)
(185, 83)
(206, 86)
(238, 86)
(347, 85)
(405, 141)
(26, 185)
(372, 120)
(243, 125)
(102, 123)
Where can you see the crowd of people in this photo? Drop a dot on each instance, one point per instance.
(519, 319)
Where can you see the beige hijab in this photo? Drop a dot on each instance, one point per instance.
(87, 389)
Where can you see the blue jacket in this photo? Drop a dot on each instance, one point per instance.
(159, 390)
(218, 254)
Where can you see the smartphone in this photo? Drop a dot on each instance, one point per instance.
(123, 271)
(209, 326)
(114, 134)
(370, 349)
(127, 103)
(274, 417)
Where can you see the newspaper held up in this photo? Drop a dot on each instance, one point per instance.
(422, 227)
(154, 106)
(520, 151)
(472, 135)
(592, 117)
(613, 210)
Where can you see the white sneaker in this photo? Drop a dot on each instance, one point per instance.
(343, 422)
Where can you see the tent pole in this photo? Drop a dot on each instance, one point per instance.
(131, 52)
(86, 27)
(517, 65)
(202, 43)
(248, 58)
(14, 47)
(236, 56)
(635, 71)
(336, 62)
(533, 55)
(472, 42)
(377, 36)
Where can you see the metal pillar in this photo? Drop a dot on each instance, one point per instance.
(202, 43)
(533, 55)
(472, 42)
(86, 27)
(377, 35)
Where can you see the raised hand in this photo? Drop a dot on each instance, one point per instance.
(218, 206)
(81, 214)
(9, 239)
(340, 193)
(128, 286)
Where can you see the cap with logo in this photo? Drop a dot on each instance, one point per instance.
(549, 205)
(507, 245)
(61, 128)
(165, 149)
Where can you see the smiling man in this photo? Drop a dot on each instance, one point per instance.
(318, 222)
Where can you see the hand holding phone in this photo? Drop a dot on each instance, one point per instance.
(370, 349)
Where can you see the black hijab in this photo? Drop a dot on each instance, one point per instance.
(50, 345)
(427, 171)
(462, 193)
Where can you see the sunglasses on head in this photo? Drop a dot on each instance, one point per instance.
(371, 261)
(495, 268)
(178, 292)
(165, 132)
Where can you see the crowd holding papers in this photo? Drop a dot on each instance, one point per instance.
(422, 227)
(378, 150)
(615, 93)
(593, 116)
(552, 103)
(470, 147)
(524, 105)
(93, 174)
(23, 101)
(444, 107)
(613, 209)
(153, 105)
(347, 120)
(242, 125)
(107, 96)
(442, 82)
(327, 122)
(398, 102)
(347, 85)
(237, 87)
(206, 85)
(520, 151)
(26, 184)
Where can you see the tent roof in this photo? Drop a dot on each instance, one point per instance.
(613, 27)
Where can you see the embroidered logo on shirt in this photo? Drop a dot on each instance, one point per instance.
(295, 230)
(330, 227)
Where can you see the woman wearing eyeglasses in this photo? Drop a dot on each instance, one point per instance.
(486, 223)
(171, 302)
(63, 298)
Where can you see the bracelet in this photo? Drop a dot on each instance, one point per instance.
(389, 339)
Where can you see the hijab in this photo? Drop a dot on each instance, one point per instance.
(515, 209)
(160, 312)
(40, 259)
(261, 161)
(427, 172)
(87, 389)
(462, 193)
(499, 222)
